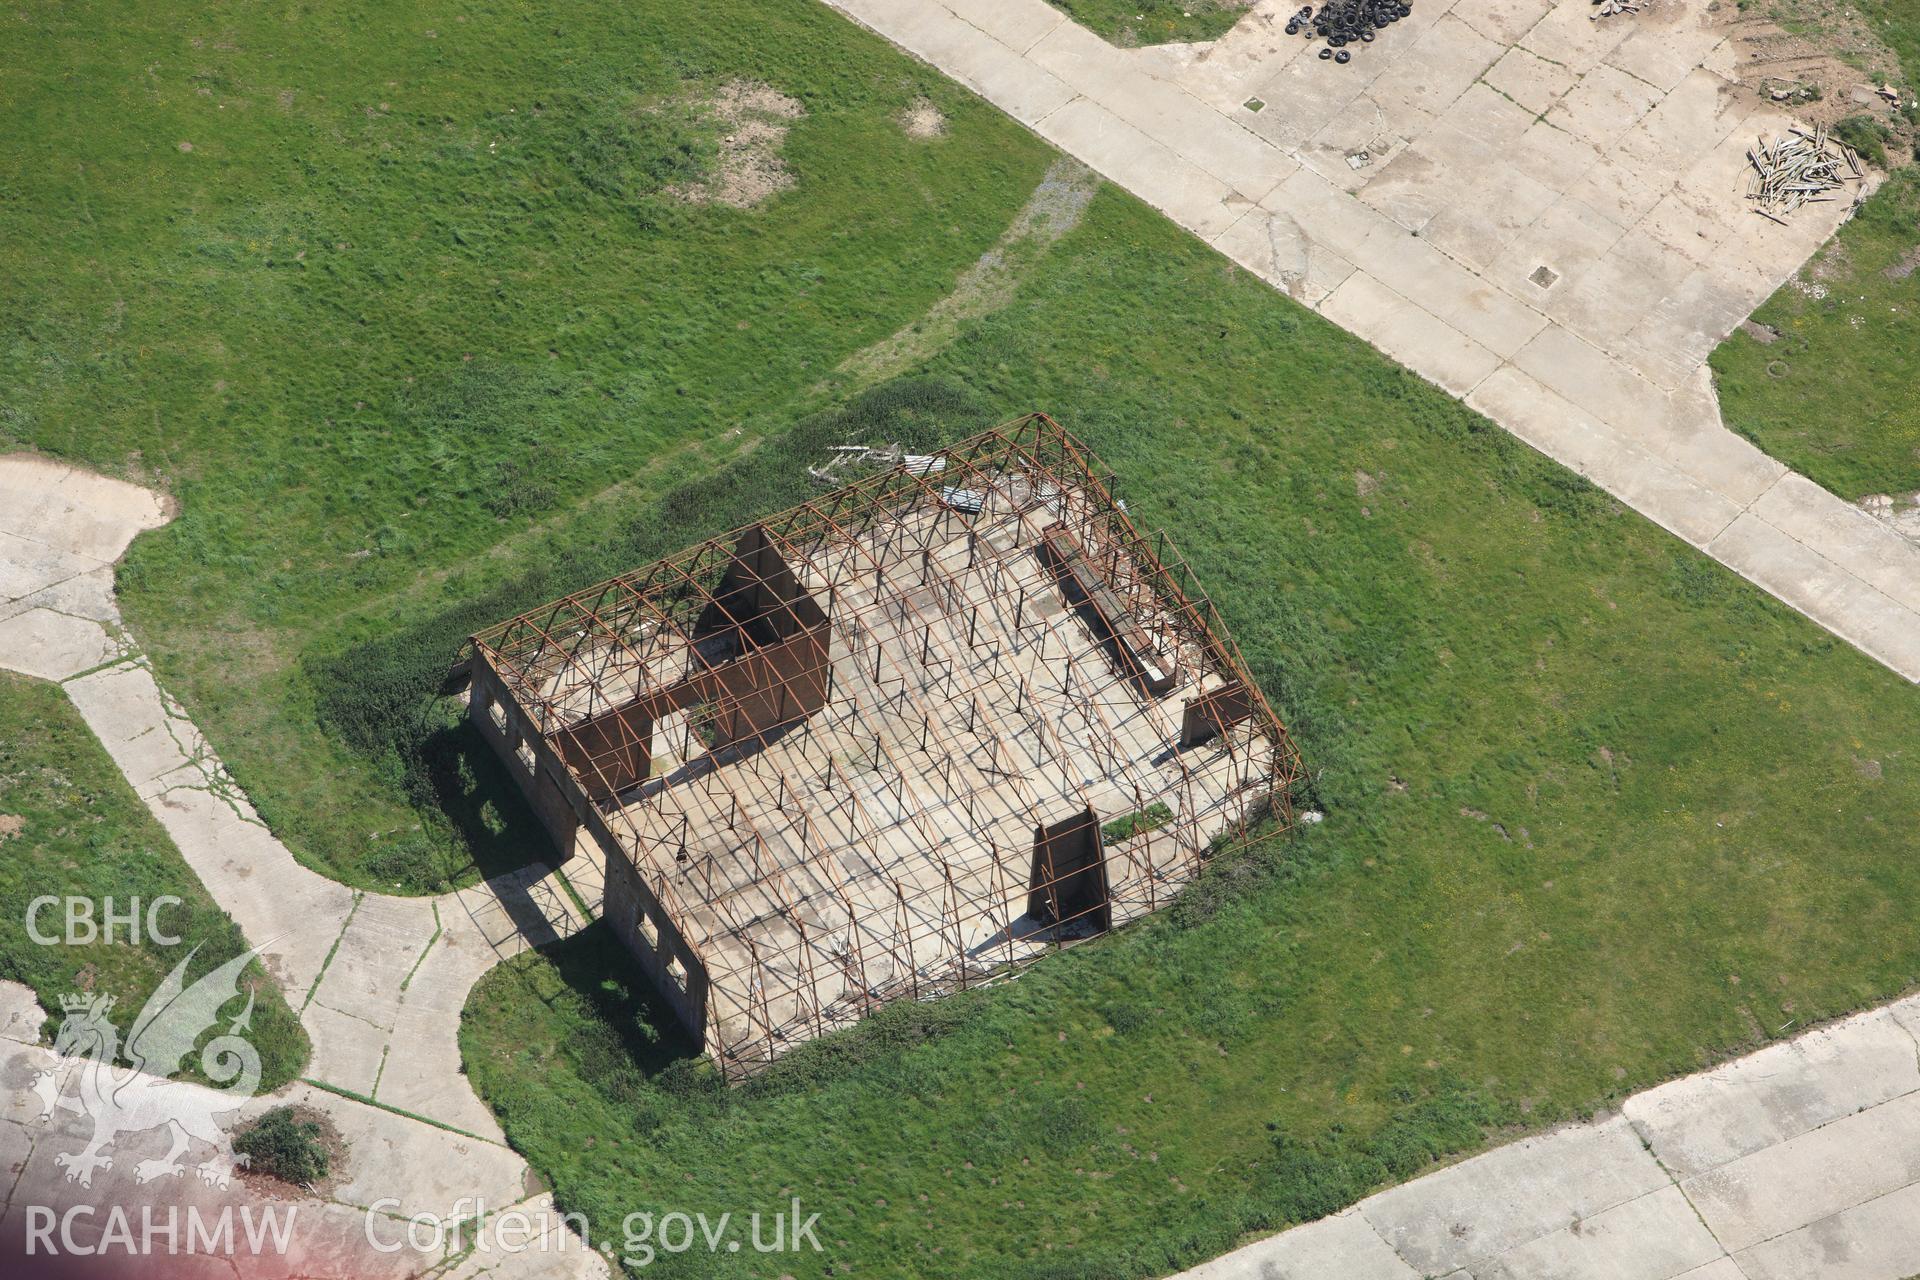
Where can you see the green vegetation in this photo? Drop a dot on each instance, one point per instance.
(1834, 395)
(70, 826)
(396, 299)
(284, 1145)
(1597, 813)
(1136, 22)
(1139, 822)
(1896, 23)
(1867, 136)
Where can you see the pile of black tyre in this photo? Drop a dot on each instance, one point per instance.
(1344, 22)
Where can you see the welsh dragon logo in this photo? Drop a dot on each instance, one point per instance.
(139, 1097)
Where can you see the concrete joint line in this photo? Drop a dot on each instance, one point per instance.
(320, 977)
(13, 1183)
(961, 17)
(129, 659)
(1034, 128)
(1035, 43)
(421, 959)
(1748, 510)
(1834, 570)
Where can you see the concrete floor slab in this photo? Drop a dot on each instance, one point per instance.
(1567, 239)
(77, 512)
(88, 596)
(1664, 50)
(28, 565)
(1472, 305)
(1861, 545)
(1907, 1013)
(1302, 96)
(1607, 301)
(1603, 106)
(1477, 233)
(346, 1051)
(1530, 80)
(1693, 120)
(1330, 216)
(1445, 61)
(982, 63)
(1503, 21)
(1018, 26)
(1568, 35)
(374, 956)
(1718, 1269)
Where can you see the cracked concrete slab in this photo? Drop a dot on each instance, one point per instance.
(1617, 254)
(54, 646)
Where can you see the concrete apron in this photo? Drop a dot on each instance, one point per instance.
(1539, 212)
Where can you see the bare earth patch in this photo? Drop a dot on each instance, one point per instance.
(10, 825)
(922, 119)
(1819, 58)
(754, 119)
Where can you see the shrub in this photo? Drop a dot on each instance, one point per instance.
(282, 1144)
(1867, 136)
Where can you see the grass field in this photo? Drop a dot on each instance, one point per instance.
(1136, 22)
(379, 290)
(1597, 813)
(1837, 395)
(1596, 810)
(70, 826)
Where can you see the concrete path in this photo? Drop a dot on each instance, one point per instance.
(379, 981)
(1537, 211)
(1800, 1160)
